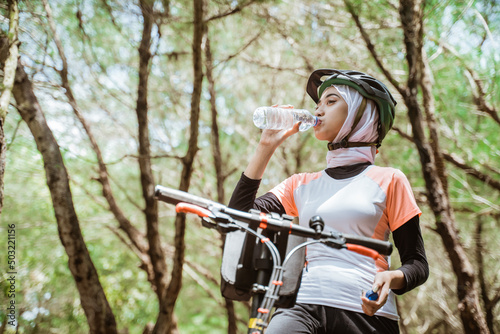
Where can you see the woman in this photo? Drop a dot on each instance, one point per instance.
(353, 196)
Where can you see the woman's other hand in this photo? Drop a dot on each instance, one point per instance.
(383, 282)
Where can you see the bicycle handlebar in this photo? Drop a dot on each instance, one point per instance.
(271, 221)
(225, 219)
(174, 196)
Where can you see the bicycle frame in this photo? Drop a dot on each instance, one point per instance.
(223, 219)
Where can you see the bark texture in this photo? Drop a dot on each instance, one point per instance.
(167, 303)
(93, 299)
(219, 173)
(155, 251)
(9, 65)
(135, 237)
(411, 13)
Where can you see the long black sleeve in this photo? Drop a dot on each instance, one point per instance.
(410, 244)
(244, 197)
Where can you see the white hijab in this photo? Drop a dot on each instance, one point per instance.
(365, 131)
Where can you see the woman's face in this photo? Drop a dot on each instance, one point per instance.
(332, 113)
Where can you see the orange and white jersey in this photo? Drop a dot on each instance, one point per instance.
(372, 204)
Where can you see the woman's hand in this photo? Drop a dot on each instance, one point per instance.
(269, 142)
(274, 138)
(271, 139)
(383, 282)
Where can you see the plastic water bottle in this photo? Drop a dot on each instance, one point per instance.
(283, 118)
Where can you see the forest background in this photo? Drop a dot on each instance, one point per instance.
(103, 99)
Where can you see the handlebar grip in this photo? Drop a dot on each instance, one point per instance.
(380, 261)
(174, 196)
(382, 247)
(190, 208)
(363, 250)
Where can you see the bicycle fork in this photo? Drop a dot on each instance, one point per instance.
(264, 297)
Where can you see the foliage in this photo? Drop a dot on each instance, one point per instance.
(262, 54)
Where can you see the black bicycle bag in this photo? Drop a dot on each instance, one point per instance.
(245, 260)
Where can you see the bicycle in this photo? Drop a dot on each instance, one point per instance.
(273, 231)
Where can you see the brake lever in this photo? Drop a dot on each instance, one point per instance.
(208, 223)
(226, 224)
(334, 242)
(221, 222)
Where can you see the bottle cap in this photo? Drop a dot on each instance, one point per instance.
(316, 120)
(371, 295)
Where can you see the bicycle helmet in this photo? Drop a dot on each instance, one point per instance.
(367, 86)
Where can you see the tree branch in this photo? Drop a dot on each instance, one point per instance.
(143, 257)
(235, 10)
(277, 68)
(135, 236)
(480, 274)
(93, 299)
(216, 151)
(460, 163)
(155, 250)
(426, 84)
(371, 47)
(479, 96)
(243, 48)
(167, 303)
(488, 180)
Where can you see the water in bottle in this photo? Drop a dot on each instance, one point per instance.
(283, 118)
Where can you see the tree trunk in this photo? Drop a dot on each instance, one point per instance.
(429, 109)
(167, 304)
(93, 300)
(3, 153)
(9, 72)
(438, 198)
(490, 303)
(216, 152)
(134, 235)
(156, 252)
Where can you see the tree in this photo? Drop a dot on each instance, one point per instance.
(135, 97)
(94, 302)
(169, 297)
(433, 167)
(431, 155)
(9, 70)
